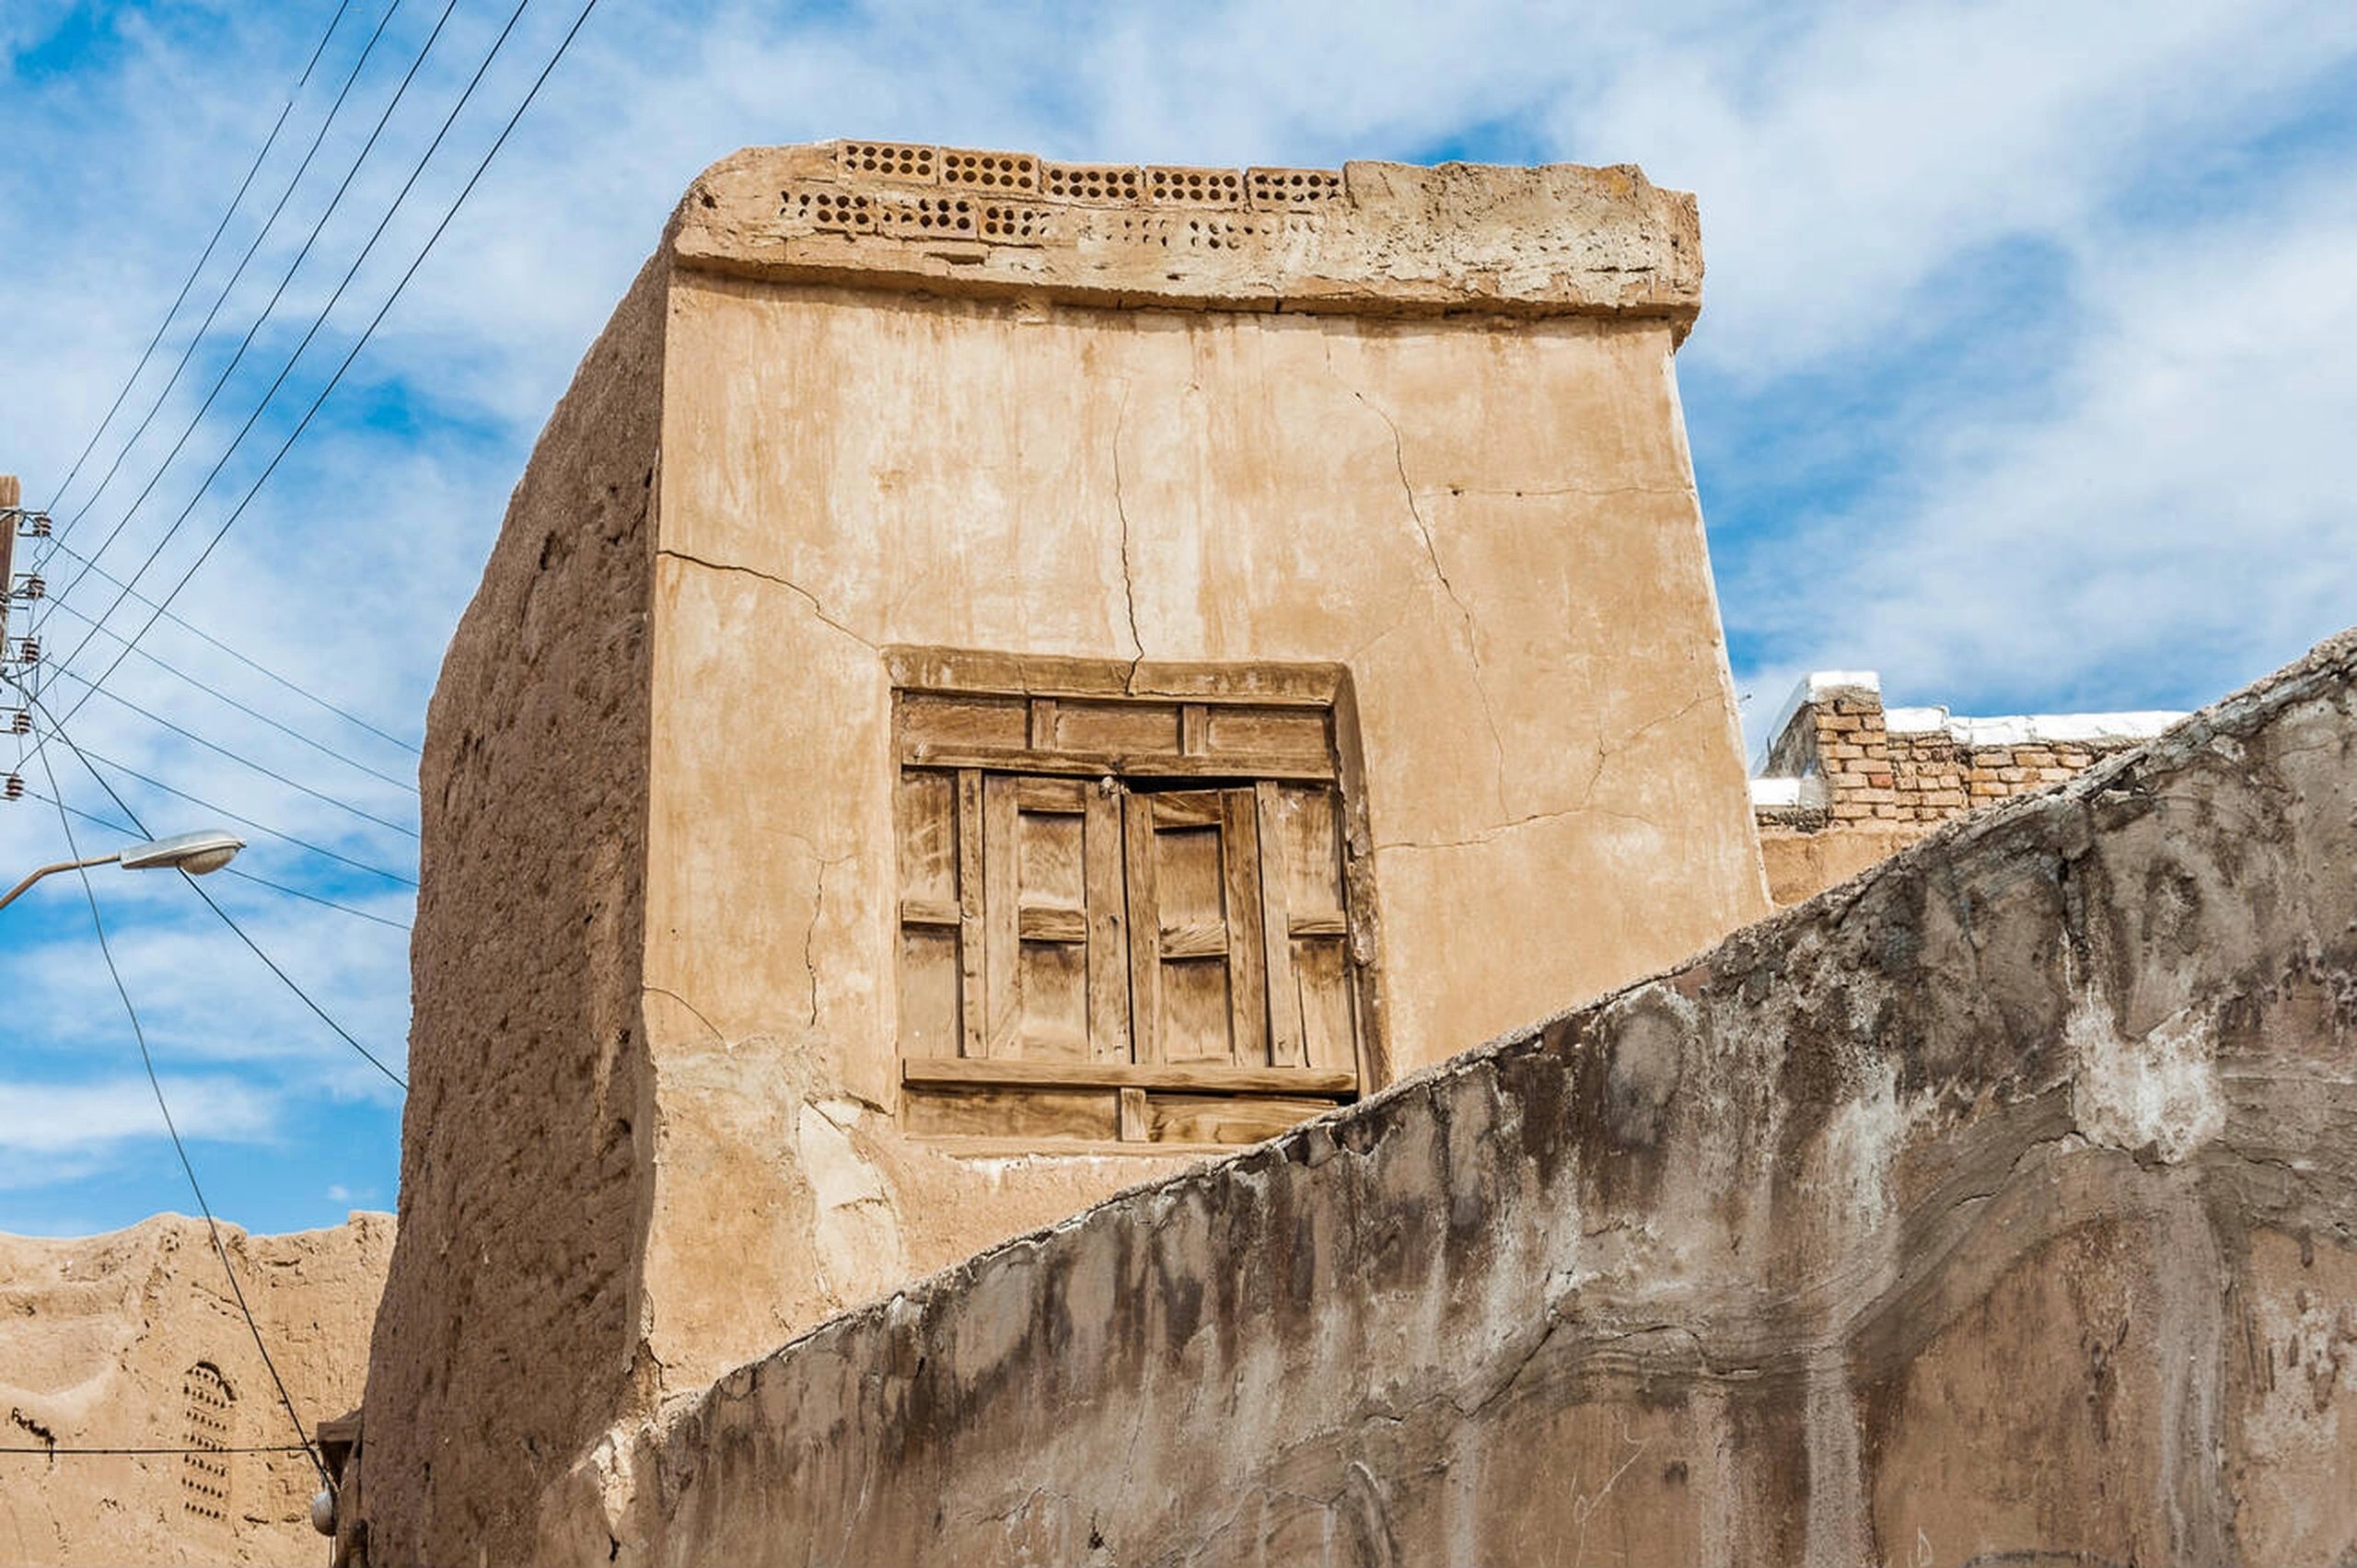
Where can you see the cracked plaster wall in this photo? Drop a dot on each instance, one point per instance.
(2001, 1204)
(1494, 525)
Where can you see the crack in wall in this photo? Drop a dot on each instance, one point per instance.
(810, 933)
(1129, 576)
(1432, 553)
(789, 584)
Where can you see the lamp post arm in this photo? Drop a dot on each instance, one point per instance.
(10, 896)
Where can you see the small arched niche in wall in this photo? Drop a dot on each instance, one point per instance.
(208, 1410)
(1134, 905)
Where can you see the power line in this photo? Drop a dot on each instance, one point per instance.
(130, 771)
(219, 229)
(214, 746)
(61, 1453)
(271, 964)
(321, 321)
(243, 876)
(538, 82)
(172, 670)
(203, 327)
(187, 1168)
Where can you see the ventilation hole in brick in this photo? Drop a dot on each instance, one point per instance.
(1014, 223)
(1293, 187)
(995, 171)
(891, 159)
(1201, 186)
(1090, 182)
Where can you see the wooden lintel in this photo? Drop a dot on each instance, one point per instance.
(1205, 1078)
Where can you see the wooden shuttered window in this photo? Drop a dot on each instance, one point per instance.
(1107, 948)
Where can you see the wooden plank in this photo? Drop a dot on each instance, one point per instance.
(936, 669)
(1048, 1115)
(1146, 929)
(1129, 728)
(929, 1011)
(1125, 764)
(1001, 941)
(1195, 939)
(1327, 922)
(1284, 997)
(973, 991)
(1134, 1122)
(932, 724)
(1108, 928)
(1051, 922)
(1188, 809)
(1205, 1077)
(925, 823)
(1249, 734)
(1065, 796)
(930, 912)
(1247, 990)
(1042, 725)
(1194, 731)
(1194, 1119)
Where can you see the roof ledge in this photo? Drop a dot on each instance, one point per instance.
(1370, 238)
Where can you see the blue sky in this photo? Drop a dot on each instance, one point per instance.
(2029, 348)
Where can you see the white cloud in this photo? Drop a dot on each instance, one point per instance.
(89, 1117)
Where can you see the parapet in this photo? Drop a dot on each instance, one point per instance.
(1370, 238)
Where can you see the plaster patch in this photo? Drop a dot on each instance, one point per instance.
(2160, 1092)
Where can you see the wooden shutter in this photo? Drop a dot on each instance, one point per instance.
(1312, 1008)
(1197, 953)
(1053, 924)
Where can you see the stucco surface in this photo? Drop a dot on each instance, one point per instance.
(657, 1123)
(508, 1338)
(98, 1338)
(1995, 1205)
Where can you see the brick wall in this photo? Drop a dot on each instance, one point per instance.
(1847, 781)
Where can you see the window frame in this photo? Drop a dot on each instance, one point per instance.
(1162, 731)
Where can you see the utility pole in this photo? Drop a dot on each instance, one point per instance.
(17, 654)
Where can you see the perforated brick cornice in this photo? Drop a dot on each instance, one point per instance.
(1376, 239)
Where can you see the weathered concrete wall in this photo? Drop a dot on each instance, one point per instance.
(99, 1339)
(1998, 1205)
(508, 1338)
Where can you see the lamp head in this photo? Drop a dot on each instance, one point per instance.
(196, 854)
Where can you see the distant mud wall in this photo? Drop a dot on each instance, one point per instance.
(1996, 1205)
(142, 1426)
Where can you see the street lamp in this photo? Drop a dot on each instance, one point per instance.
(196, 854)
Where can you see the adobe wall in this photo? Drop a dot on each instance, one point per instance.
(1414, 429)
(508, 1337)
(1997, 1205)
(100, 1339)
(1423, 428)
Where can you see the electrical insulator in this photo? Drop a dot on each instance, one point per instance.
(15, 787)
(21, 721)
(27, 650)
(32, 585)
(35, 524)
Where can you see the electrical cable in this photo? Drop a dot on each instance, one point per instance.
(68, 524)
(288, 368)
(195, 273)
(565, 45)
(155, 1453)
(224, 696)
(243, 821)
(187, 1168)
(245, 761)
(288, 981)
(131, 833)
